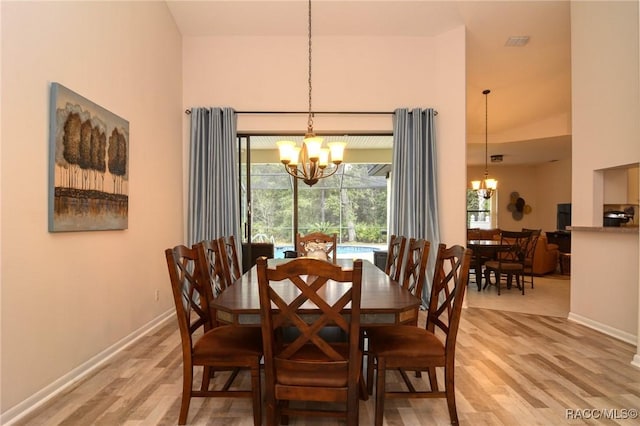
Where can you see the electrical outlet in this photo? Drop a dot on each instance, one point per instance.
(157, 295)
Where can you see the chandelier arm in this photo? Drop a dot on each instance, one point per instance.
(295, 172)
(290, 170)
(332, 171)
(304, 161)
(312, 170)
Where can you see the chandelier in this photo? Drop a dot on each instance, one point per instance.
(310, 162)
(485, 187)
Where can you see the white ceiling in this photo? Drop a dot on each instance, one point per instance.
(530, 85)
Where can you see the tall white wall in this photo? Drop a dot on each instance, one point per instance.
(606, 133)
(349, 74)
(68, 297)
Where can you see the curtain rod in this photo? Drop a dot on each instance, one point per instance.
(188, 111)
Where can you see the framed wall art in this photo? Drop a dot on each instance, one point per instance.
(89, 165)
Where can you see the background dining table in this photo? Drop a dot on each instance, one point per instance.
(484, 249)
(383, 300)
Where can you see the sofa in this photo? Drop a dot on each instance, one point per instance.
(545, 257)
(483, 234)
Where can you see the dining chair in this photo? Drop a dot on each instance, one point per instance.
(413, 278)
(407, 347)
(529, 253)
(204, 344)
(230, 262)
(209, 250)
(395, 256)
(318, 245)
(415, 266)
(510, 261)
(479, 257)
(308, 367)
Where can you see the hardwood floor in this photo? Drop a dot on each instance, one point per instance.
(512, 369)
(550, 296)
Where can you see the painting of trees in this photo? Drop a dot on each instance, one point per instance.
(117, 158)
(80, 198)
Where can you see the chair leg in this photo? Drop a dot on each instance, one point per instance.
(363, 392)
(450, 391)
(207, 373)
(380, 385)
(187, 383)
(271, 416)
(487, 278)
(370, 369)
(353, 399)
(433, 380)
(284, 418)
(256, 395)
(531, 279)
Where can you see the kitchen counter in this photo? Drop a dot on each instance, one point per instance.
(629, 229)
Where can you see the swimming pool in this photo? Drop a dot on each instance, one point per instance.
(343, 251)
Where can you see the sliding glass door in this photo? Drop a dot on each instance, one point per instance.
(352, 203)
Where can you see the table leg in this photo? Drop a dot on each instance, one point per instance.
(478, 270)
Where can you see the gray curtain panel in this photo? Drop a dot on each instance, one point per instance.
(414, 196)
(214, 203)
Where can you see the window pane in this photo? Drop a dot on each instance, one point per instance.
(481, 213)
(272, 200)
(350, 203)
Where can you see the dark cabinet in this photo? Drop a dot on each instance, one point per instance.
(251, 252)
(562, 239)
(380, 259)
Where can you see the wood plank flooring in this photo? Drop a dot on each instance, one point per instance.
(549, 297)
(512, 369)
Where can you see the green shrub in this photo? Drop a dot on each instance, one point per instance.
(366, 233)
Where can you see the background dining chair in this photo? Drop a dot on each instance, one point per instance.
(209, 250)
(395, 256)
(480, 256)
(415, 266)
(406, 347)
(308, 367)
(307, 244)
(510, 261)
(529, 253)
(413, 278)
(230, 262)
(204, 344)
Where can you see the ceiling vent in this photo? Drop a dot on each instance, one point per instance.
(517, 41)
(496, 158)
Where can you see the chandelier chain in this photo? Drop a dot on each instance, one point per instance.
(486, 132)
(310, 162)
(310, 118)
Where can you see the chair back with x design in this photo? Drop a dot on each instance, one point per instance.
(415, 267)
(309, 366)
(395, 256)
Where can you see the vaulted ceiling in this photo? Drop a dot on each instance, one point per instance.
(530, 100)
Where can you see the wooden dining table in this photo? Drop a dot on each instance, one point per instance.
(383, 301)
(482, 250)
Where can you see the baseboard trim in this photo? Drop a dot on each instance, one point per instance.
(603, 328)
(636, 361)
(55, 388)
